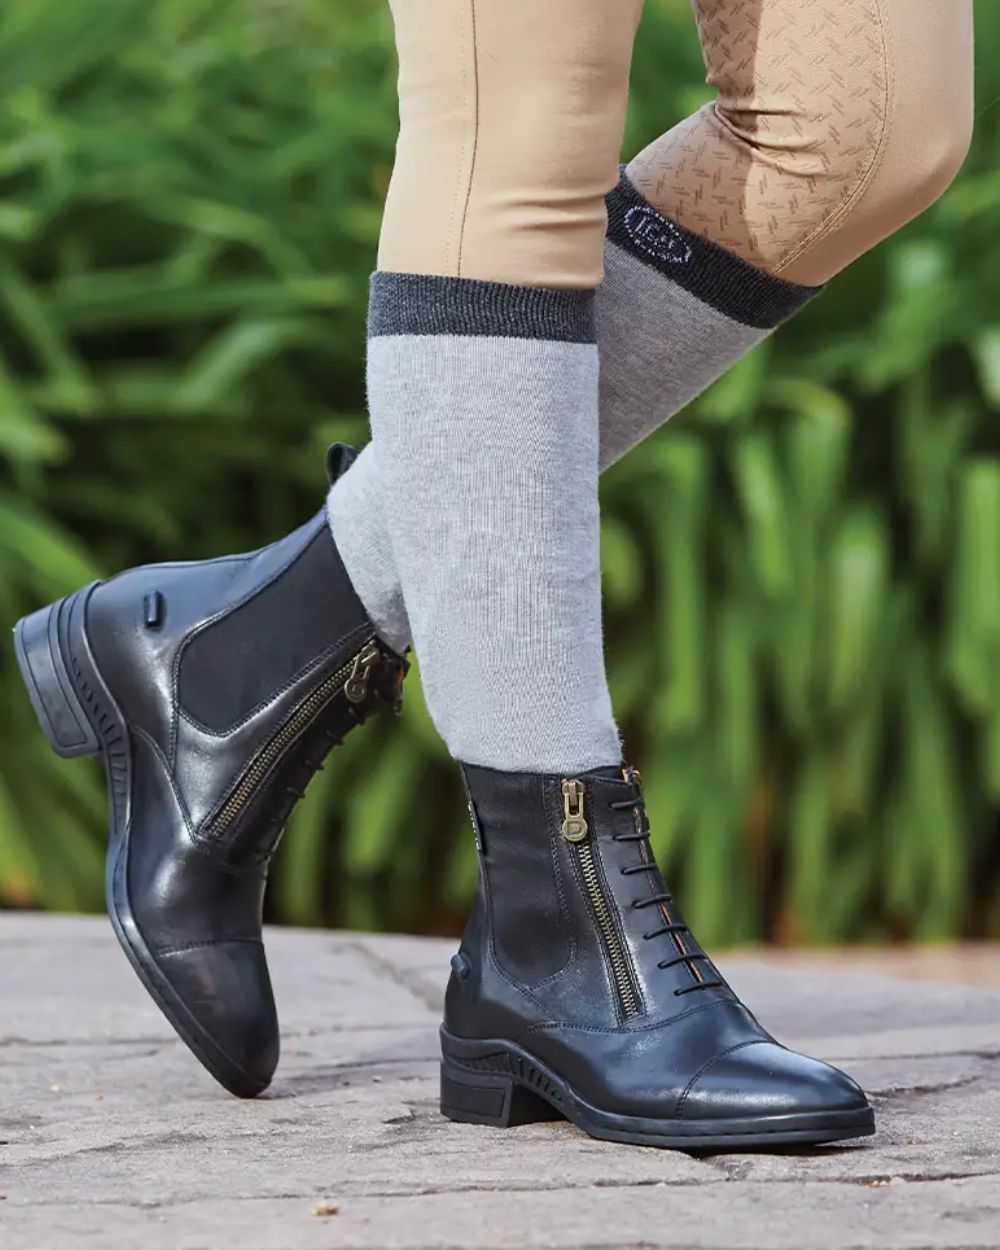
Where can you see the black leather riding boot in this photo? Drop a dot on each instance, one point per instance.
(213, 690)
(578, 990)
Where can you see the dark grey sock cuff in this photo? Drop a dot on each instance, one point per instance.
(412, 303)
(716, 276)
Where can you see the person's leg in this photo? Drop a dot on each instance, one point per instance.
(575, 970)
(857, 111)
(836, 122)
(483, 369)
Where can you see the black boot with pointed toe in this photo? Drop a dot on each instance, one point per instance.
(213, 690)
(578, 990)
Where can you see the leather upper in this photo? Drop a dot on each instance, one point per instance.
(146, 667)
(533, 968)
(229, 675)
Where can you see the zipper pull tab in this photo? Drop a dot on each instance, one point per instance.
(356, 686)
(574, 825)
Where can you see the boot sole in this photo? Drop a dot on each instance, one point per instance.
(79, 717)
(499, 1084)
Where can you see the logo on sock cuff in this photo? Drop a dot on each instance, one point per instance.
(655, 235)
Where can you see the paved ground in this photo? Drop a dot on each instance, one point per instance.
(113, 1138)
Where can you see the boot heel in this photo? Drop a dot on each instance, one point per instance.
(487, 1098)
(45, 674)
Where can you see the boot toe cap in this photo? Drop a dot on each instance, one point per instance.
(229, 1018)
(762, 1079)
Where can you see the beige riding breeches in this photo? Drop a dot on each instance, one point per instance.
(834, 123)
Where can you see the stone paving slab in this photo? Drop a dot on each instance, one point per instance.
(113, 1137)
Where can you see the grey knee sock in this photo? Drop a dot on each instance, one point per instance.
(674, 312)
(483, 401)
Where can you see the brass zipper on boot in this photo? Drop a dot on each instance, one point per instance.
(576, 832)
(351, 677)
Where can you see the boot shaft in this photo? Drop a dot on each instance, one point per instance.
(572, 920)
(213, 690)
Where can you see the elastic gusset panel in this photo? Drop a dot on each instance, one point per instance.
(246, 657)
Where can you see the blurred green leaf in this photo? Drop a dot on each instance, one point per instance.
(802, 571)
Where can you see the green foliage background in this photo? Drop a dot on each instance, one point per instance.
(802, 573)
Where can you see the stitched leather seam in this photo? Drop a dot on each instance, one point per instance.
(642, 1028)
(209, 942)
(362, 630)
(505, 976)
(679, 1109)
(141, 733)
(174, 564)
(204, 846)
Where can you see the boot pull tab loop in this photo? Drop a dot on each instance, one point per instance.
(339, 458)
